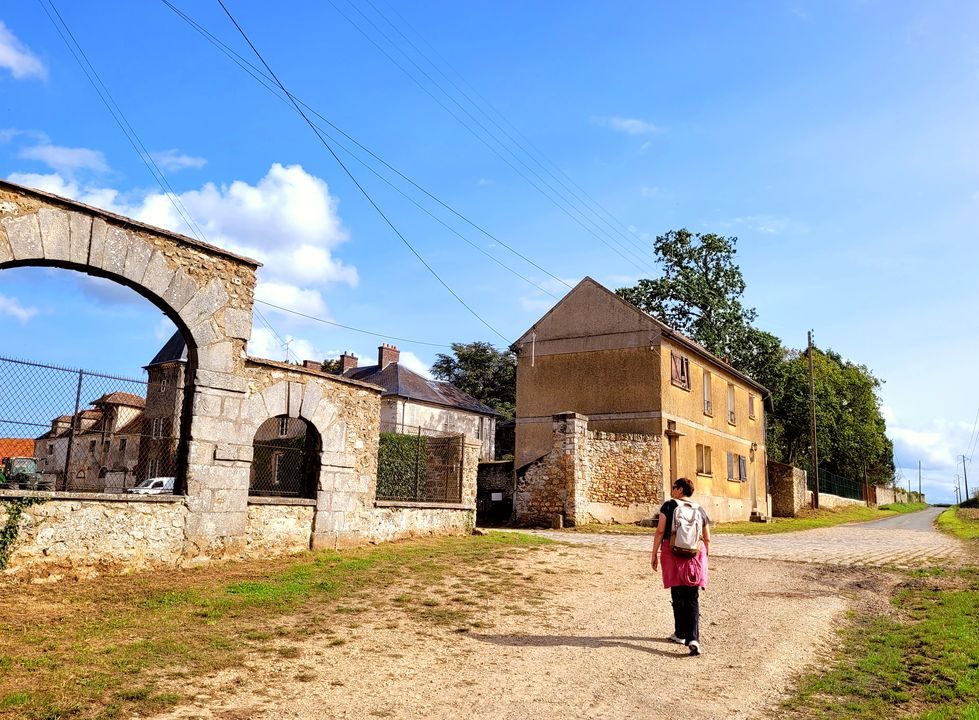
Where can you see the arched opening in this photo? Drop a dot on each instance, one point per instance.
(286, 461)
(79, 388)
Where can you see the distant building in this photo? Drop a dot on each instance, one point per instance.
(166, 381)
(412, 401)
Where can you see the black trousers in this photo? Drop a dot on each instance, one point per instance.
(686, 612)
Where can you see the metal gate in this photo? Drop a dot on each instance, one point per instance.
(419, 464)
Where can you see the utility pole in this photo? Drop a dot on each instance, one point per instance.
(958, 490)
(965, 478)
(919, 481)
(812, 407)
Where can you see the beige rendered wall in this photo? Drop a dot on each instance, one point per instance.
(413, 414)
(724, 499)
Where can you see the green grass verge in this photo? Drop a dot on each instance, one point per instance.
(921, 662)
(961, 522)
(112, 647)
(807, 520)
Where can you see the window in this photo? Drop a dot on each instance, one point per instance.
(158, 427)
(122, 446)
(106, 445)
(708, 409)
(154, 469)
(283, 426)
(163, 383)
(680, 370)
(731, 416)
(751, 406)
(703, 460)
(91, 447)
(278, 466)
(737, 467)
(50, 448)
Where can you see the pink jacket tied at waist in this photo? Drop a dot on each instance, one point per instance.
(683, 571)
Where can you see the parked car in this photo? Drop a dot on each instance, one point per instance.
(153, 486)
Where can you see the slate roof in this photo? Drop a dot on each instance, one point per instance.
(120, 398)
(175, 350)
(399, 381)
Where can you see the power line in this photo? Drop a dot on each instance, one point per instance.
(617, 248)
(351, 176)
(537, 159)
(259, 76)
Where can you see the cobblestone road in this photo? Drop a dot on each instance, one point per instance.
(893, 542)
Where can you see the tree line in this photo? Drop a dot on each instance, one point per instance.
(701, 294)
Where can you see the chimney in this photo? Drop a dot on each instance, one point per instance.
(387, 354)
(347, 362)
(312, 364)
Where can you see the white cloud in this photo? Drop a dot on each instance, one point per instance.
(484, 182)
(415, 363)
(65, 160)
(767, 224)
(629, 126)
(304, 300)
(12, 307)
(540, 302)
(175, 160)
(18, 58)
(265, 344)
(648, 191)
(105, 198)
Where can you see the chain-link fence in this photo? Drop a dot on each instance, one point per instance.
(833, 484)
(285, 463)
(84, 431)
(419, 464)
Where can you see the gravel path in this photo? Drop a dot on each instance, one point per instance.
(904, 541)
(595, 649)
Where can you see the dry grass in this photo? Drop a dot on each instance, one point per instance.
(111, 647)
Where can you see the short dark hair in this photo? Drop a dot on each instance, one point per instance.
(685, 485)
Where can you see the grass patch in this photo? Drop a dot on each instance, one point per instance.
(961, 522)
(807, 519)
(921, 662)
(905, 507)
(101, 649)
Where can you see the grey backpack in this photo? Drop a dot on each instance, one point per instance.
(688, 526)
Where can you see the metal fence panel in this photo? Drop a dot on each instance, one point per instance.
(419, 464)
(88, 431)
(838, 485)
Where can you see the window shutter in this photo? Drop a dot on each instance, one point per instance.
(742, 468)
(676, 367)
(700, 458)
(751, 405)
(707, 463)
(730, 466)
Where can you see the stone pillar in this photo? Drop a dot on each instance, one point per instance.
(570, 439)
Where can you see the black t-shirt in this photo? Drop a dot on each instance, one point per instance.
(668, 508)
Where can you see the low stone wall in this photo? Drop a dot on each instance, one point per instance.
(787, 487)
(79, 536)
(624, 478)
(888, 495)
(273, 529)
(591, 477)
(396, 522)
(827, 501)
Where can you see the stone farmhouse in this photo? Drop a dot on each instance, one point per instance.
(221, 402)
(613, 405)
(412, 401)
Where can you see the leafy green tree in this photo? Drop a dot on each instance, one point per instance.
(480, 370)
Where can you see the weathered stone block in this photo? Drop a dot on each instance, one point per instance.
(55, 238)
(225, 451)
(79, 237)
(180, 291)
(6, 254)
(220, 381)
(205, 303)
(337, 459)
(277, 399)
(295, 401)
(137, 259)
(96, 246)
(246, 453)
(158, 275)
(206, 333)
(24, 236)
(117, 242)
(238, 323)
(255, 411)
(216, 357)
(311, 399)
(207, 404)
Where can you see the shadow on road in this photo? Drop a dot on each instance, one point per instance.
(585, 642)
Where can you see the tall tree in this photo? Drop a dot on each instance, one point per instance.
(479, 369)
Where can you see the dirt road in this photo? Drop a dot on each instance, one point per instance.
(594, 648)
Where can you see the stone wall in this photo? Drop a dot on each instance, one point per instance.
(590, 477)
(494, 492)
(276, 529)
(787, 487)
(828, 502)
(625, 477)
(79, 536)
(887, 495)
(391, 522)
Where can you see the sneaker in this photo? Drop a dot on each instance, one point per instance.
(694, 647)
(678, 640)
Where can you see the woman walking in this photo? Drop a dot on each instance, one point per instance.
(682, 544)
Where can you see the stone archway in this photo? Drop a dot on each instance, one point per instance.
(206, 291)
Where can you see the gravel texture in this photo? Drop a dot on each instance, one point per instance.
(594, 648)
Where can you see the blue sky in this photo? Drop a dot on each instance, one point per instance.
(835, 139)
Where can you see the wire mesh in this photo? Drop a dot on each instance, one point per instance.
(285, 461)
(834, 484)
(419, 464)
(87, 431)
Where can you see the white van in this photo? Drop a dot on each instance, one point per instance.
(153, 486)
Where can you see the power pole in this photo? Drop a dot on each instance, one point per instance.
(965, 477)
(812, 408)
(958, 490)
(919, 481)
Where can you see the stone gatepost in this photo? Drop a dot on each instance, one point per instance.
(571, 439)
